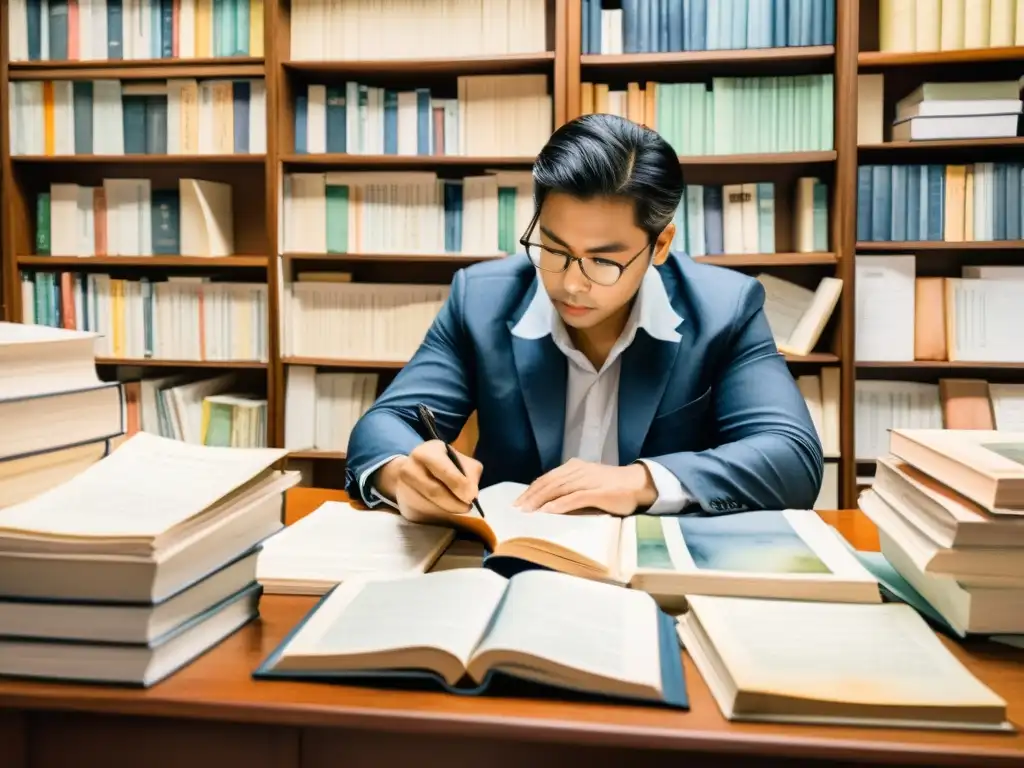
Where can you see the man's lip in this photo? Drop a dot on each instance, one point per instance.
(573, 309)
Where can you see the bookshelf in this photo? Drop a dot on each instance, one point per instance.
(308, 66)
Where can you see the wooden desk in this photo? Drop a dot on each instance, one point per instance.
(212, 714)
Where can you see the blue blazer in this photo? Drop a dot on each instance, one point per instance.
(719, 409)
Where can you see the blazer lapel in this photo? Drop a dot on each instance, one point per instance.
(646, 369)
(543, 372)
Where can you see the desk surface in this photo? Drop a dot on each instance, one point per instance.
(218, 686)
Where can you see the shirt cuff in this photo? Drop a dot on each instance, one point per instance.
(672, 497)
(371, 496)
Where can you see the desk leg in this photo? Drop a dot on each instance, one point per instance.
(327, 748)
(73, 740)
(13, 739)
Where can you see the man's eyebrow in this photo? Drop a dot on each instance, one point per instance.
(614, 247)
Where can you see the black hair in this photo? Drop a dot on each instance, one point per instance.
(610, 156)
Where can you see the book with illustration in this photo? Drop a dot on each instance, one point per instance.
(469, 628)
(791, 554)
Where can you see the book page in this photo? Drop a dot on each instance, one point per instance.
(856, 654)
(449, 610)
(337, 542)
(592, 535)
(1007, 406)
(147, 486)
(595, 628)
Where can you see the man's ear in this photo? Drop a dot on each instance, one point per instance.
(664, 243)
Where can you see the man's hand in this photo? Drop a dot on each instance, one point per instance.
(580, 484)
(427, 486)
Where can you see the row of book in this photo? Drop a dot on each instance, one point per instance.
(882, 405)
(342, 320)
(173, 318)
(110, 117)
(491, 115)
(391, 29)
(735, 115)
(970, 319)
(951, 203)
(127, 217)
(321, 408)
(109, 30)
(221, 410)
(907, 26)
(406, 212)
(741, 218)
(667, 26)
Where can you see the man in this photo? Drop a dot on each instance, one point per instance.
(605, 371)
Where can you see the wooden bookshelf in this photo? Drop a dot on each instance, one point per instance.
(902, 72)
(257, 179)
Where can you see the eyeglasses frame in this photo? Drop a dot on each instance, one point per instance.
(570, 258)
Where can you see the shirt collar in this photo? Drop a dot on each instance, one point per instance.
(652, 311)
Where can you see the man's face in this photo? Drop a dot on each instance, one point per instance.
(602, 231)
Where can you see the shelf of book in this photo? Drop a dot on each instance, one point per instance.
(935, 272)
(307, 76)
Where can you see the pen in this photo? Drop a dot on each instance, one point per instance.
(430, 424)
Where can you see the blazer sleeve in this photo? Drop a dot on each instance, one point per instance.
(439, 375)
(769, 454)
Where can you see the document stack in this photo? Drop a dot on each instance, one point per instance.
(137, 565)
(58, 417)
(949, 506)
(936, 111)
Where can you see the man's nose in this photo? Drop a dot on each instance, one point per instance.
(575, 281)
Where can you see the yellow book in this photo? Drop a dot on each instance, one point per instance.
(256, 28)
(49, 134)
(204, 29)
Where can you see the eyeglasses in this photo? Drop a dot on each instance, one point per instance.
(596, 269)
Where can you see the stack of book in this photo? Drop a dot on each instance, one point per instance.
(935, 111)
(949, 506)
(139, 564)
(58, 417)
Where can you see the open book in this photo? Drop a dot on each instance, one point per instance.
(462, 627)
(802, 662)
(790, 554)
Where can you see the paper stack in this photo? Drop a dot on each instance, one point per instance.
(139, 564)
(58, 417)
(949, 506)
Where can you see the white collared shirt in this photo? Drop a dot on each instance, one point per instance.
(592, 395)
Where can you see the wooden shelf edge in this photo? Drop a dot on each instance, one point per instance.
(143, 261)
(937, 365)
(18, 66)
(319, 455)
(767, 259)
(331, 362)
(894, 146)
(922, 58)
(158, 363)
(940, 245)
(818, 358)
(762, 158)
(440, 258)
(141, 159)
(150, 69)
(401, 160)
(740, 55)
(823, 358)
(511, 62)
